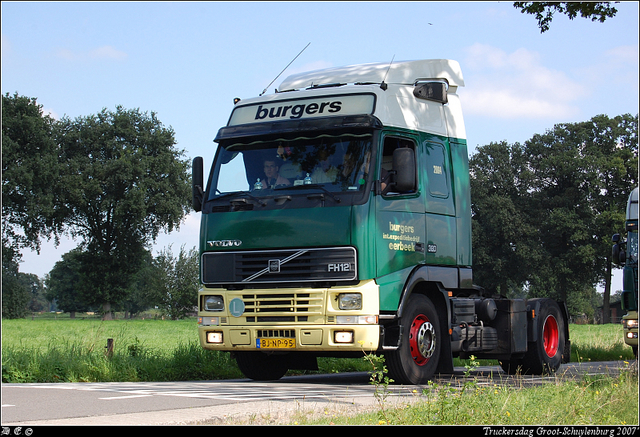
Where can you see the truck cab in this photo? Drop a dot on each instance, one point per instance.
(336, 221)
(625, 253)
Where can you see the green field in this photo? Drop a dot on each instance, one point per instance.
(64, 350)
(51, 350)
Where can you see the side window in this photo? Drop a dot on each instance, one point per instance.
(391, 144)
(436, 171)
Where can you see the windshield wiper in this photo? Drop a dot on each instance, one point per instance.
(298, 187)
(241, 193)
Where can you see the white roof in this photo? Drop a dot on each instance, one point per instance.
(395, 106)
(405, 72)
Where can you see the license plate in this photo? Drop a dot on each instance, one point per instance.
(276, 343)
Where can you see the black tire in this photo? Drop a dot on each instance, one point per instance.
(511, 367)
(415, 361)
(260, 366)
(545, 355)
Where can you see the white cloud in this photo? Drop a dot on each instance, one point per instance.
(104, 52)
(51, 113)
(620, 68)
(6, 45)
(107, 52)
(624, 54)
(517, 85)
(510, 104)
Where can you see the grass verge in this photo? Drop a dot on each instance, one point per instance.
(590, 400)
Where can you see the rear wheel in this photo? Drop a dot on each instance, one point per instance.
(512, 367)
(545, 354)
(260, 366)
(415, 361)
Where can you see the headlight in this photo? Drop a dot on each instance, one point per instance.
(630, 323)
(350, 301)
(343, 337)
(213, 303)
(214, 337)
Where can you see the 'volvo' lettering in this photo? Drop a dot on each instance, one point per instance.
(224, 243)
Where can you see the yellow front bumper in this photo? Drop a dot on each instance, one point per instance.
(310, 338)
(307, 319)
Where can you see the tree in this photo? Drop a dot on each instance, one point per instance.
(35, 286)
(29, 174)
(609, 149)
(140, 295)
(597, 11)
(123, 181)
(178, 282)
(15, 296)
(584, 173)
(504, 240)
(544, 213)
(64, 283)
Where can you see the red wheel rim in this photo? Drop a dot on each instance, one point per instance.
(422, 340)
(550, 336)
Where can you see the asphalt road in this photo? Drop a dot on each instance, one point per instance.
(232, 401)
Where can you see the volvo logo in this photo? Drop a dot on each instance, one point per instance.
(274, 266)
(224, 243)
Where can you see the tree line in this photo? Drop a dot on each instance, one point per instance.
(167, 282)
(543, 212)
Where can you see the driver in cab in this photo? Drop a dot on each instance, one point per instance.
(272, 173)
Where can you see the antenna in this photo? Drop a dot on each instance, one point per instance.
(265, 90)
(382, 84)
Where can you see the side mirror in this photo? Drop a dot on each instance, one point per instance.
(615, 253)
(618, 255)
(622, 257)
(435, 91)
(197, 183)
(404, 168)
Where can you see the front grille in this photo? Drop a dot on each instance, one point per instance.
(244, 268)
(278, 307)
(282, 307)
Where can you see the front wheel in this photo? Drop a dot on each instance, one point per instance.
(415, 361)
(545, 354)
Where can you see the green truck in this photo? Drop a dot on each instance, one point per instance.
(336, 221)
(625, 253)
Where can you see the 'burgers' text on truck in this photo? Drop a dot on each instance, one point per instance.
(336, 221)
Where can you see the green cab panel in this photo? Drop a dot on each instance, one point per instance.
(276, 229)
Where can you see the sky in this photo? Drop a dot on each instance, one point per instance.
(187, 61)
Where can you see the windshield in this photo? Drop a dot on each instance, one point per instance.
(336, 163)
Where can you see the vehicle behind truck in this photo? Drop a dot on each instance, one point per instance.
(625, 253)
(336, 221)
